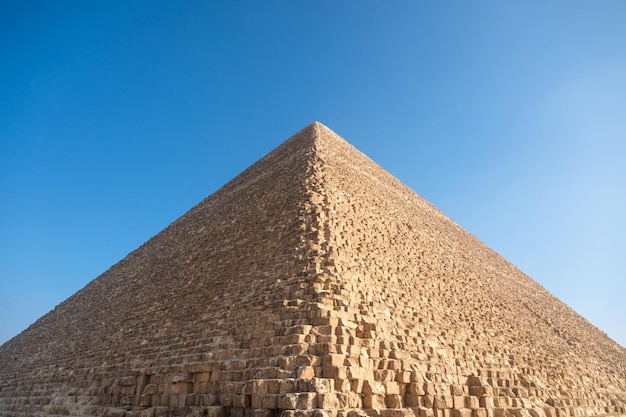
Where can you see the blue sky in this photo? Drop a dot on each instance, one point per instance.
(116, 117)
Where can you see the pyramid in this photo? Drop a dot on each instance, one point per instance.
(313, 284)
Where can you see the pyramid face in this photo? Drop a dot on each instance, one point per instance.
(313, 283)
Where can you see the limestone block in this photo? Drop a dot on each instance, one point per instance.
(128, 380)
(256, 400)
(269, 401)
(443, 402)
(335, 372)
(295, 344)
(333, 359)
(287, 401)
(287, 385)
(226, 400)
(538, 412)
(456, 389)
(385, 375)
(521, 412)
(472, 402)
(209, 400)
(328, 401)
(461, 412)
(500, 402)
(476, 381)
(392, 387)
(429, 388)
(306, 372)
(202, 377)
(416, 388)
(550, 411)
(458, 401)
(428, 400)
(104, 412)
(374, 401)
(502, 412)
(423, 411)
(356, 385)
(394, 401)
(215, 411)
(373, 388)
(230, 387)
(320, 385)
(240, 400)
(355, 372)
(263, 412)
(405, 412)
(354, 400)
(342, 385)
(257, 386)
(145, 400)
(486, 402)
(404, 377)
(307, 400)
(480, 390)
(84, 410)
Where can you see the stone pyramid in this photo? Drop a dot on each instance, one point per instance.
(313, 284)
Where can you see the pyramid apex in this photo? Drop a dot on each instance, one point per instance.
(316, 132)
(320, 127)
(316, 128)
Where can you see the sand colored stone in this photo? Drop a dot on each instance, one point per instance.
(313, 284)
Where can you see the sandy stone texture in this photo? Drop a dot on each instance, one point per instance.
(313, 284)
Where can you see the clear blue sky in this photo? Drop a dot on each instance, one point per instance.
(116, 117)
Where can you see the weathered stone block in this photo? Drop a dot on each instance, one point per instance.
(407, 412)
(335, 372)
(412, 400)
(270, 401)
(328, 401)
(306, 372)
(333, 359)
(472, 402)
(241, 400)
(374, 401)
(355, 372)
(458, 402)
(394, 401)
(416, 388)
(287, 401)
(373, 388)
(461, 412)
(486, 402)
(480, 390)
(423, 412)
(442, 402)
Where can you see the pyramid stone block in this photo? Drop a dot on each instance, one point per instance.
(313, 284)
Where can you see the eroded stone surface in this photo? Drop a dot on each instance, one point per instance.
(313, 284)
